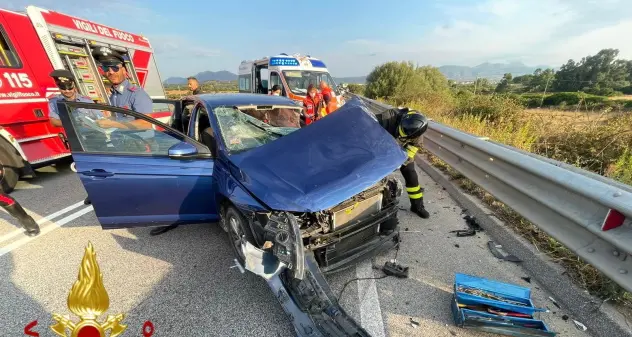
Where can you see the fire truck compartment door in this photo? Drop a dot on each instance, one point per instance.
(140, 177)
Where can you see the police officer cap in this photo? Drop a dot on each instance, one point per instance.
(62, 75)
(105, 55)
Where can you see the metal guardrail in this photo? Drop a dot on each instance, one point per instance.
(566, 202)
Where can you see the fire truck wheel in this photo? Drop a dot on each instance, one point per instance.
(10, 173)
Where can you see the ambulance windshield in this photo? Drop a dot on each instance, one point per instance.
(299, 80)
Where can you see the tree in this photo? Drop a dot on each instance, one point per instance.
(541, 79)
(387, 79)
(503, 85)
(403, 83)
(600, 74)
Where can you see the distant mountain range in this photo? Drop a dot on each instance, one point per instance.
(492, 71)
(356, 79)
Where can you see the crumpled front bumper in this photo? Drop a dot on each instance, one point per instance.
(309, 302)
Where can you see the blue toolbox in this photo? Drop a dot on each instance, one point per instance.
(496, 307)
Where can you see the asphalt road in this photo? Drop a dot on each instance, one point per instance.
(186, 284)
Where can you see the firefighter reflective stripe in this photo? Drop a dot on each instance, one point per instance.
(401, 132)
(411, 150)
(415, 192)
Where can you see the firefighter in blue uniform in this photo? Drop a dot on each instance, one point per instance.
(407, 126)
(127, 96)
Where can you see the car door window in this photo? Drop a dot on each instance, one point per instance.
(150, 139)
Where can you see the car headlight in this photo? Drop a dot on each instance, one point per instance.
(283, 230)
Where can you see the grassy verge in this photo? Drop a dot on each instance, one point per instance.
(598, 142)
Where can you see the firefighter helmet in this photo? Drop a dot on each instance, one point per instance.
(412, 125)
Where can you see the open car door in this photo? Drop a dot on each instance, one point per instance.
(141, 173)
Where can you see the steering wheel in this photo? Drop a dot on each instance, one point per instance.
(129, 142)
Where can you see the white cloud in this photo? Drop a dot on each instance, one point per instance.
(536, 32)
(178, 46)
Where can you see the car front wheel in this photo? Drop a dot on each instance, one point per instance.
(238, 232)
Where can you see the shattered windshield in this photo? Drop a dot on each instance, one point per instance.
(275, 115)
(299, 80)
(242, 132)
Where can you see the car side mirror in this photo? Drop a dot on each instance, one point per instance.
(183, 150)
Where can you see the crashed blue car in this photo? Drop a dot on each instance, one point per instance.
(320, 195)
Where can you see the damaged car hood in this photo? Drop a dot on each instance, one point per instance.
(321, 165)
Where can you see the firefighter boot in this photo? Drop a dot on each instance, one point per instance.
(31, 227)
(417, 207)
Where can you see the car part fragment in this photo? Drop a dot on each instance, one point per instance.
(309, 302)
(285, 233)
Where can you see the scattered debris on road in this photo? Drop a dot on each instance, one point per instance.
(554, 302)
(394, 269)
(414, 323)
(580, 326)
(473, 227)
(499, 253)
(526, 279)
(565, 317)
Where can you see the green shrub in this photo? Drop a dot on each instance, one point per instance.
(403, 83)
(356, 88)
(572, 98)
(622, 103)
(488, 107)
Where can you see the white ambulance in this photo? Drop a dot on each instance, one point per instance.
(294, 73)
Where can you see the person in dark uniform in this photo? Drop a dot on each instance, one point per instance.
(65, 81)
(15, 209)
(407, 126)
(124, 95)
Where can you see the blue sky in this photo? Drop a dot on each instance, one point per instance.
(353, 36)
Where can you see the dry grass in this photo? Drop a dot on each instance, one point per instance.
(624, 97)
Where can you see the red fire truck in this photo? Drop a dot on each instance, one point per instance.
(32, 44)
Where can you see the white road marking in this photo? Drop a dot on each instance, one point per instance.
(40, 221)
(45, 230)
(369, 303)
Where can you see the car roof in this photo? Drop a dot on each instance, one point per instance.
(239, 99)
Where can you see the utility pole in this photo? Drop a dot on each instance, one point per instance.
(544, 94)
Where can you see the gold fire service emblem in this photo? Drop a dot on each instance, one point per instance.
(88, 299)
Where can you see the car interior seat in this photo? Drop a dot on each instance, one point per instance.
(208, 139)
(206, 134)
